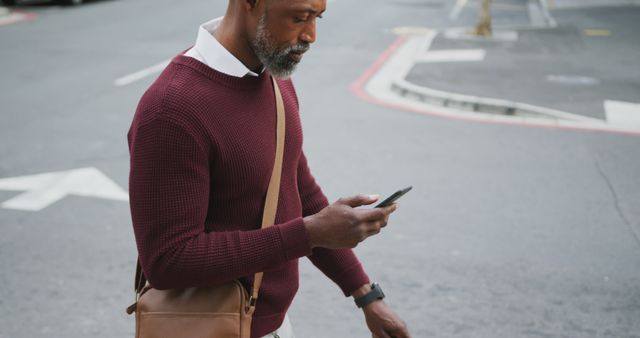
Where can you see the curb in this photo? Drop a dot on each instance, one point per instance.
(485, 105)
(383, 83)
(8, 17)
(476, 104)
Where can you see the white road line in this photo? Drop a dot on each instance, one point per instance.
(535, 13)
(550, 21)
(131, 78)
(622, 114)
(455, 11)
(454, 55)
(572, 79)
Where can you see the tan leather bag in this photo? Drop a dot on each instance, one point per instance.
(221, 311)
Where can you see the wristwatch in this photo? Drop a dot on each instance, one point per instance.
(373, 295)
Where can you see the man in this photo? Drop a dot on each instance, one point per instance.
(202, 145)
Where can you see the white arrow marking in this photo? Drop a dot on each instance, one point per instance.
(454, 55)
(47, 188)
(622, 114)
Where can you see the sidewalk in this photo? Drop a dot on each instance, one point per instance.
(589, 60)
(562, 4)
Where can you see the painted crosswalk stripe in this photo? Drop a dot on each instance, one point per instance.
(454, 55)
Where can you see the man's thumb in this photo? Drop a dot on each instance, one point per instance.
(358, 200)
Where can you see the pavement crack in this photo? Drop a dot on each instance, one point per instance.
(616, 201)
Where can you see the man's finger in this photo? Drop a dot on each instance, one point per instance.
(386, 220)
(374, 228)
(381, 334)
(377, 214)
(359, 200)
(400, 331)
(371, 215)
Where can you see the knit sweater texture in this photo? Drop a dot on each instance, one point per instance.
(202, 146)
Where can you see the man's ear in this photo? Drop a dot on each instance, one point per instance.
(253, 7)
(252, 3)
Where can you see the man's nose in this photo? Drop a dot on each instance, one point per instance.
(309, 33)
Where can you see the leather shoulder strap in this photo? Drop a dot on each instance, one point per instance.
(271, 204)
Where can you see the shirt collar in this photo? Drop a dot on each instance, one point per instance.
(215, 55)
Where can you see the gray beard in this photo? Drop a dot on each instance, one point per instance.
(275, 60)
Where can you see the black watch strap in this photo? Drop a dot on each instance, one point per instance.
(373, 295)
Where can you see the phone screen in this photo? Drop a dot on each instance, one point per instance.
(396, 195)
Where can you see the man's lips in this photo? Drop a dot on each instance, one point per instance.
(296, 56)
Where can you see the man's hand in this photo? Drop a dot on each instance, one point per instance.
(383, 322)
(340, 225)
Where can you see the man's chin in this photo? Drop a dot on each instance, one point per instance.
(282, 76)
(283, 73)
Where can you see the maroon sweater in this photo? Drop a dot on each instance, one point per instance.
(202, 146)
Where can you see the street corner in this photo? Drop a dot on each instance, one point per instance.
(547, 77)
(8, 16)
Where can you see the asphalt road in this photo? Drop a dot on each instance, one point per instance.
(510, 231)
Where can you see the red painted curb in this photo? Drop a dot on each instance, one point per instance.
(357, 87)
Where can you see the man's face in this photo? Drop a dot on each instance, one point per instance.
(286, 29)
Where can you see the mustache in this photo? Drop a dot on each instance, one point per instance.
(302, 47)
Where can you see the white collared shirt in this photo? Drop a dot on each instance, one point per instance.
(212, 53)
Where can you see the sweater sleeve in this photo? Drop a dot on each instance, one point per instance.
(341, 266)
(169, 183)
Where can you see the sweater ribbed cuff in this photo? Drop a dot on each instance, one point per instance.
(352, 279)
(295, 239)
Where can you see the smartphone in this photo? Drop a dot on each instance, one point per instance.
(389, 200)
